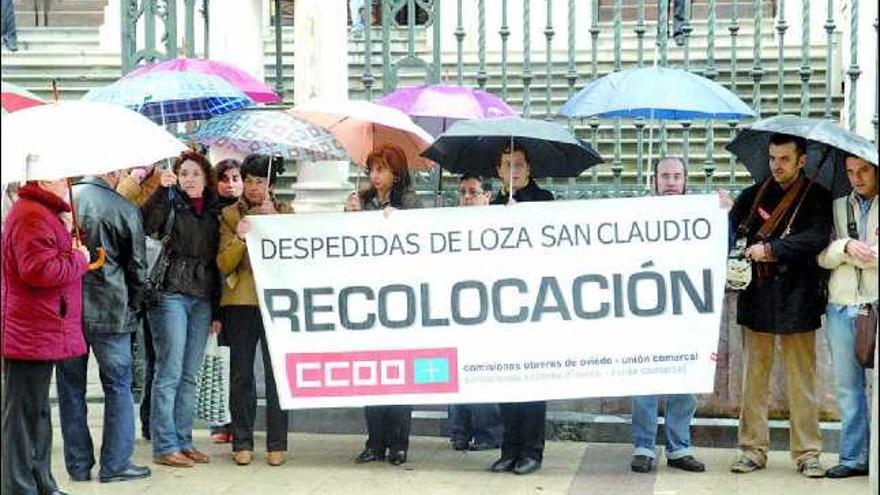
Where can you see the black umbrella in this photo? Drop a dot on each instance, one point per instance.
(827, 145)
(474, 145)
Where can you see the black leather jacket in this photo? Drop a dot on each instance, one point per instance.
(192, 266)
(112, 293)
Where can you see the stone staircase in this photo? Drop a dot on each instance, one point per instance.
(61, 13)
(72, 56)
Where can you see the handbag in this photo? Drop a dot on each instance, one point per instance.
(739, 268)
(157, 246)
(212, 384)
(866, 316)
(866, 334)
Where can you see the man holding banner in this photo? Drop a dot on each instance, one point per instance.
(670, 179)
(787, 220)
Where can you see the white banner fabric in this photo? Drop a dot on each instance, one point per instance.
(533, 301)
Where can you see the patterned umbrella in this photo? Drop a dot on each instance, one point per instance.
(169, 97)
(248, 84)
(270, 132)
(15, 98)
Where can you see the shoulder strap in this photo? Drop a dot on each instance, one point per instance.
(169, 221)
(851, 227)
(744, 226)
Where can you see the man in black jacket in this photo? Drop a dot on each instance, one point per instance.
(111, 296)
(787, 221)
(522, 442)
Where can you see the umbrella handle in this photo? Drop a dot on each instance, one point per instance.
(98, 263)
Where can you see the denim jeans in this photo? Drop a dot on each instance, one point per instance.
(678, 414)
(180, 324)
(849, 379)
(480, 422)
(9, 33)
(113, 352)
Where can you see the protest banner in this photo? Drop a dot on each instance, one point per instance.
(513, 303)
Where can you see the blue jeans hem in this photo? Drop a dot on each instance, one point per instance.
(678, 454)
(652, 453)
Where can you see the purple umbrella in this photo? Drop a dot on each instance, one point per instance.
(438, 106)
(435, 107)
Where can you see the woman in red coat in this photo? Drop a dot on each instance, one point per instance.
(42, 324)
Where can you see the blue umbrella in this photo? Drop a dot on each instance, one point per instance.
(169, 97)
(656, 92)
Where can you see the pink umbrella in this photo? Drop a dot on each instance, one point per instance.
(436, 107)
(242, 80)
(361, 126)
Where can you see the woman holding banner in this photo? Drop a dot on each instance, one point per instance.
(387, 426)
(242, 322)
(522, 444)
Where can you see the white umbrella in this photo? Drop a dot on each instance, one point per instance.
(73, 138)
(361, 126)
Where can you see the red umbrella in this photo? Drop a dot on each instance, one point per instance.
(15, 98)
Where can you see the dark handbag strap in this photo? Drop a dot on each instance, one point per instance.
(169, 220)
(852, 230)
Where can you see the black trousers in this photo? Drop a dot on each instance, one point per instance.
(523, 424)
(243, 327)
(27, 429)
(388, 428)
(149, 365)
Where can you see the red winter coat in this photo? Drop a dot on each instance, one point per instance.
(42, 281)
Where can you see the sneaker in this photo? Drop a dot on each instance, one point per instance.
(744, 465)
(811, 468)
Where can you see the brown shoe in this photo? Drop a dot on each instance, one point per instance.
(196, 456)
(243, 457)
(175, 459)
(275, 458)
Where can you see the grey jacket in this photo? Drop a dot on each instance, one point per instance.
(112, 293)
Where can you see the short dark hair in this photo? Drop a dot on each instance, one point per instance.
(258, 166)
(508, 150)
(800, 144)
(470, 176)
(224, 165)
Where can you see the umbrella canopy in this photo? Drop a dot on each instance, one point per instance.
(169, 97)
(827, 144)
(74, 138)
(656, 92)
(361, 126)
(14, 98)
(270, 132)
(243, 81)
(437, 106)
(473, 146)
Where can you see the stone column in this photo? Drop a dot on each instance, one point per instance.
(236, 34)
(321, 71)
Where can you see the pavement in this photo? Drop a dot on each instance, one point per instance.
(322, 464)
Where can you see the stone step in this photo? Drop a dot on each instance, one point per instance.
(62, 19)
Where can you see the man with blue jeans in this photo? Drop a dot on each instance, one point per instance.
(852, 257)
(670, 179)
(111, 296)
